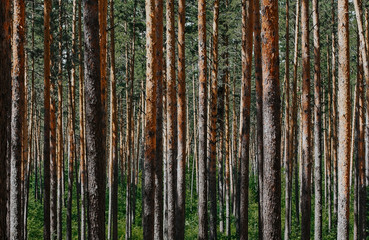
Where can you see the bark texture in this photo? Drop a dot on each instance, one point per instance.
(344, 123)
(271, 121)
(5, 104)
(94, 123)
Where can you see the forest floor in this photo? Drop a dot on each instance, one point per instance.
(35, 216)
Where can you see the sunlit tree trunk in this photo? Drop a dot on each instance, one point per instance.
(113, 156)
(305, 124)
(287, 156)
(202, 123)
(271, 122)
(344, 117)
(317, 127)
(181, 121)
(150, 123)
(18, 74)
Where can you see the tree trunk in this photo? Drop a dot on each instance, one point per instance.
(113, 156)
(181, 121)
(72, 116)
(47, 43)
(305, 124)
(59, 139)
(5, 107)
(18, 74)
(317, 128)
(287, 156)
(94, 123)
(150, 120)
(271, 122)
(259, 109)
(202, 123)
(247, 42)
(294, 132)
(344, 116)
(213, 126)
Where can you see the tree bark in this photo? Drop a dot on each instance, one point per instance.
(344, 127)
(213, 125)
(202, 123)
(271, 122)
(18, 74)
(305, 124)
(150, 120)
(247, 42)
(317, 128)
(181, 121)
(94, 123)
(5, 106)
(287, 156)
(113, 156)
(47, 43)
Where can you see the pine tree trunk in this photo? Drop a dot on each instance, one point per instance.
(5, 107)
(317, 128)
(202, 123)
(306, 160)
(294, 132)
(344, 116)
(287, 146)
(182, 127)
(71, 137)
(247, 42)
(46, 157)
(271, 122)
(53, 166)
(150, 123)
(213, 126)
(113, 156)
(60, 128)
(94, 123)
(259, 109)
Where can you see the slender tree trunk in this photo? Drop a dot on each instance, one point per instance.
(271, 122)
(47, 43)
(113, 156)
(53, 166)
(344, 116)
(294, 132)
(247, 41)
(60, 128)
(334, 112)
(360, 170)
(150, 122)
(202, 203)
(259, 109)
(317, 128)
(18, 74)
(94, 123)
(213, 126)
(305, 124)
(72, 115)
(181, 121)
(102, 21)
(82, 145)
(361, 158)
(288, 159)
(5, 107)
